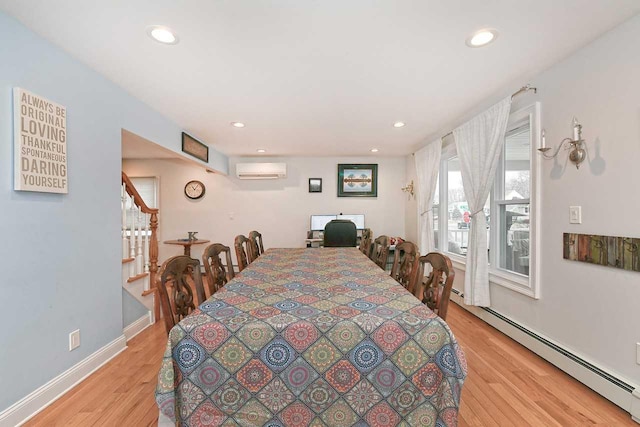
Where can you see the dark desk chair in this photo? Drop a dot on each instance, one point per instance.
(340, 233)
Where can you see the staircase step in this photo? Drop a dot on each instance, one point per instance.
(137, 277)
(127, 260)
(136, 289)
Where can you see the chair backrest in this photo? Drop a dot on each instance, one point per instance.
(404, 264)
(255, 238)
(340, 233)
(242, 246)
(218, 273)
(175, 278)
(435, 290)
(380, 251)
(365, 241)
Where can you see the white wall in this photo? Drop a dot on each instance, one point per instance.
(279, 209)
(411, 214)
(591, 310)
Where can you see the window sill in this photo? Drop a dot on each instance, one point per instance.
(515, 282)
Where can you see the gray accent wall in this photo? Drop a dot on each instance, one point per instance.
(132, 309)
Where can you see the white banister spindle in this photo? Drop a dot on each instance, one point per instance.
(132, 238)
(147, 219)
(125, 241)
(139, 257)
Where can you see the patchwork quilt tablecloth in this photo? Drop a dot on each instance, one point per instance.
(312, 337)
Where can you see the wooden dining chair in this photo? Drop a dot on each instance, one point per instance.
(435, 289)
(404, 263)
(255, 238)
(176, 277)
(380, 251)
(218, 273)
(242, 246)
(365, 242)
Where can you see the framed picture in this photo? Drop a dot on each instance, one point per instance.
(315, 185)
(197, 149)
(357, 180)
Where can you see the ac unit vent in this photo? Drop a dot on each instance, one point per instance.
(261, 170)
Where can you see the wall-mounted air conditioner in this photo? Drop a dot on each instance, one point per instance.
(261, 170)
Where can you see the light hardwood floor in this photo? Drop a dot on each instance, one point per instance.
(507, 385)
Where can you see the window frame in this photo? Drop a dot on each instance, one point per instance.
(156, 191)
(526, 285)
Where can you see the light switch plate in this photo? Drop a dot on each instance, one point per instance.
(74, 340)
(575, 214)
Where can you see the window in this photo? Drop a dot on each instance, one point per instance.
(510, 209)
(511, 191)
(436, 213)
(147, 187)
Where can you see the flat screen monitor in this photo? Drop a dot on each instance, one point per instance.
(319, 221)
(358, 220)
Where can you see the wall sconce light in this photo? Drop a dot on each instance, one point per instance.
(576, 144)
(408, 189)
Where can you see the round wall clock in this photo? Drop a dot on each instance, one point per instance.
(194, 190)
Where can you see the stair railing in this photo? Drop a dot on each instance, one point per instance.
(142, 245)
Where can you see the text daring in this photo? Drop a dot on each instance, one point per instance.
(40, 144)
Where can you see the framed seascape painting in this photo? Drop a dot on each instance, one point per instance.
(358, 180)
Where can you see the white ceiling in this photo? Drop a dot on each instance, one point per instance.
(311, 77)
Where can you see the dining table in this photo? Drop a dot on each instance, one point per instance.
(312, 336)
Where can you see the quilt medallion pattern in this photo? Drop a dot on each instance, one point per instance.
(312, 337)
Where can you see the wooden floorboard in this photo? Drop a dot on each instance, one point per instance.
(507, 385)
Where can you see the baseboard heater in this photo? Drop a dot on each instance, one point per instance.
(607, 376)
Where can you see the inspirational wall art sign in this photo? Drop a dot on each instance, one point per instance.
(39, 144)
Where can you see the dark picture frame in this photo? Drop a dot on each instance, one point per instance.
(357, 180)
(195, 148)
(315, 185)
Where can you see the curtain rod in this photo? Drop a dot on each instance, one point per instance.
(523, 89)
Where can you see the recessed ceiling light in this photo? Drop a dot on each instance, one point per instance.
(162, 34)
(237, 124)
(398, 124)
(374, 150)
(482, 37)
(261, 150)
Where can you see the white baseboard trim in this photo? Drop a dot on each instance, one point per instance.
(635, 406)
(606, 388)
(138, 326)
(39, 399)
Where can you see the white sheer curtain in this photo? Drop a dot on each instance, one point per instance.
(427, 164)
(478, 144)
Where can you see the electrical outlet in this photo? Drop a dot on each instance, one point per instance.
(638, 353)
(74, 340)
(575, 214)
